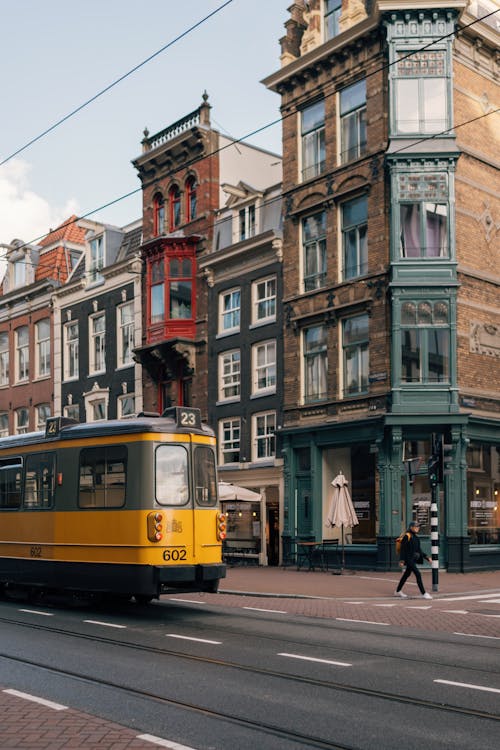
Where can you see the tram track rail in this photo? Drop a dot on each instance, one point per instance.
(312, 741)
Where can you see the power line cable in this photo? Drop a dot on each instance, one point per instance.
(242, 139)
(115, 83)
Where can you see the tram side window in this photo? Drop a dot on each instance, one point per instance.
(10, 482)
(39, 480)
(103, 477)
(205, 481)
(172, 483)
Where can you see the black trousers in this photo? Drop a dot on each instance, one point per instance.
(411, 568)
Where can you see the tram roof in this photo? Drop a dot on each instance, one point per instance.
(104, 428)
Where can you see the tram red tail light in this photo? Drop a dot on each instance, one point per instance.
(221, 526)
(155, 527)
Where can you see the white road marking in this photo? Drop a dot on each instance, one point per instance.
(365, 622)
(419, 606)
(188, 601)
(37, 612)
(490, 601)
(456, 611)
(261, 609)
(35, 699)
(162, 743)
(354, 602)
(384, 605)
(483, 615)
(467, 598)
(467, 685)
(321, 661)
(105, 624)
(188, 638)
(475, 635)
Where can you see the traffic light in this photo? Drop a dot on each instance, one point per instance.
(445, 460)
(433, 470)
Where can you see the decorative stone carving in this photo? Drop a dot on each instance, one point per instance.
(353, 12)
(485, 339)
(312, 34)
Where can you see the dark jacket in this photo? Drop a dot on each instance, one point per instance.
(410, 550)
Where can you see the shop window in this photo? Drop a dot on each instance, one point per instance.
(483, 493)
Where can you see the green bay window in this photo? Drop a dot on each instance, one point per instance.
(423, 215)
(421, 92)
(425, 342)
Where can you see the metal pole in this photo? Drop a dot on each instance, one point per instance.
(435, 537)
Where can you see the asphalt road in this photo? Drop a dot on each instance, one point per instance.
(220, 677)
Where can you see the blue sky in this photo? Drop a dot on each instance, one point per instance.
(57, 54)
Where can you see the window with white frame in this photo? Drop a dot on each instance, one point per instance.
(4, 424)
(354, 217)
(264, 300)
(22, 354)
(72, 411)
(264, 367)
(229, 375)
(332, 11)
(421, 91)
(19, 272)
(246, 222)
(125, 327)
(314, 251)
(425, 341)
(4, 358)
(42, 412)
(315, 363)
(264, 441)
(355, 354)
(97, 410)
(312, 120)
(423, 215)
(353, 121)
(229, 441)
(96, 257)
(126, 406)
(229, 311)
(97, 350)
(71, 349)
(42, 350)
(21, 421)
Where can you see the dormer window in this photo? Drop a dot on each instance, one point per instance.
(19, 272)
(158, 215)
(333, 9)
(247, 222)
(96, 258)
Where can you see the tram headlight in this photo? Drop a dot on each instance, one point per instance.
(221, 526)
(155, 527)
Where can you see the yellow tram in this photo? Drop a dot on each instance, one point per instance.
(126, 507)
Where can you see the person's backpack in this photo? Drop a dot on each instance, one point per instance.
(399, 540)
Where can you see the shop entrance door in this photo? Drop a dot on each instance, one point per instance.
(303, 514)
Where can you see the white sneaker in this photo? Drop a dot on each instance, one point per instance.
(400, 594)
(426, 596)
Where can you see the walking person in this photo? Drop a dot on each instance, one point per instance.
(410, 555)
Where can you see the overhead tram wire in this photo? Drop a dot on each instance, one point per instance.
(114, 83)
(243, 138)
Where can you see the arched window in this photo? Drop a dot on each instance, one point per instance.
(158, 214)
(175, 207)
(191, 190)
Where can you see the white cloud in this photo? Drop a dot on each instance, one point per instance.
(24, 214)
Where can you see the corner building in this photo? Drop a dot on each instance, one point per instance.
(390, 272)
